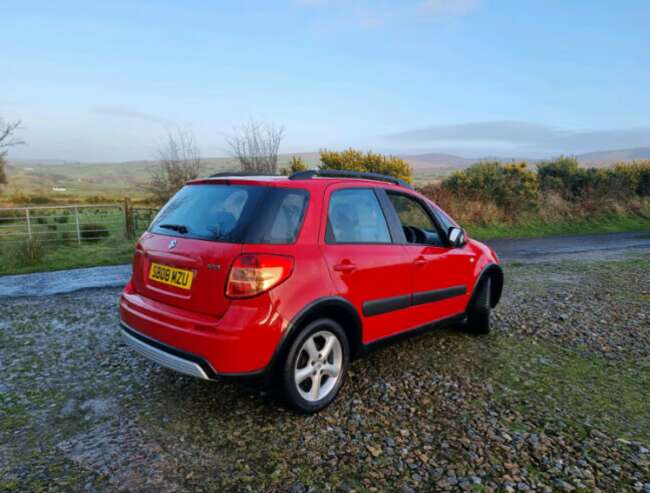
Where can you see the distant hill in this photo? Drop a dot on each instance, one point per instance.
(605, 158)
(429, 161)
(595, 159)
(130, 178)
(434, 160)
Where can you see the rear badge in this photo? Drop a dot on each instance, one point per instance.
(214, 266)
(172, 244)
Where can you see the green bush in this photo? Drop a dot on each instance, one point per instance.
(622, 182)
(512, 186)
(296, 165)
(370, 162)
(100, 199)
(637, 173)
(560, 176)
(67, 238)
(27, 252)
(94, 232)
(39, 199)
(62, 219)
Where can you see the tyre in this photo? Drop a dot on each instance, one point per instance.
(478, 318)
(315, 366)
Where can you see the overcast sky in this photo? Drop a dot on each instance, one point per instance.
(95, 81)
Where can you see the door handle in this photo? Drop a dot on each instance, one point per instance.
(420, 261)
(345, 267)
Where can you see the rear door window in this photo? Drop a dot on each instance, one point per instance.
(233, 213)
(281, 217)
(355, 216)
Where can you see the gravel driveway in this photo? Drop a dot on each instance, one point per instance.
(556, 399)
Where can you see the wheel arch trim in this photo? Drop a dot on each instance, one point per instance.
(311, 309)
(496, 273)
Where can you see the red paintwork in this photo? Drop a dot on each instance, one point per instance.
(241, 335)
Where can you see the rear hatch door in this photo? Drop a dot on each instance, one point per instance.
(185, 257)
(190, 275)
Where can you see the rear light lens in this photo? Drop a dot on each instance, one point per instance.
(251, 275)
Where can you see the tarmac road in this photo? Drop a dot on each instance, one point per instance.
(588, 247)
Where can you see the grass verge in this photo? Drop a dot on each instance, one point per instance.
(610, 223)
(62, 257)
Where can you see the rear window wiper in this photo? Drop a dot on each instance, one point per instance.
(182, 229)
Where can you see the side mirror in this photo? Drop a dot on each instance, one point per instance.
(456, 237)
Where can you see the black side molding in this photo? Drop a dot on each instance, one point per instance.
(438, 295)
(386, 305)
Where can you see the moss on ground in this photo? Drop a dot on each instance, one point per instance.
(589, 390)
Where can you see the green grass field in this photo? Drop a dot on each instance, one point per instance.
(101, 230)
(61, 257)
(110, 180)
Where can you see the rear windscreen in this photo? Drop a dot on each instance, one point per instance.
(233, 214)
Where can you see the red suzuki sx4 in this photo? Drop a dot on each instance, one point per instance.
(287, 279)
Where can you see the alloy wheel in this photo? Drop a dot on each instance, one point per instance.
(318, 366)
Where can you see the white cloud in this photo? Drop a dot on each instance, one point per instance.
(525, 136)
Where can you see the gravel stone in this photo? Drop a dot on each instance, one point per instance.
(80, 411)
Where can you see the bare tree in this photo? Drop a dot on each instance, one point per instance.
(7, 139)
(179, 161)
(255, 145)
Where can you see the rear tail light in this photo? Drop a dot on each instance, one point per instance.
(251, 275)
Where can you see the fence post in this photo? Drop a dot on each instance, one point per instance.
(128, 219)
(29, 223)
(76, 217)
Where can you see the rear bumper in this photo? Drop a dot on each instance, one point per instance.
(167, 356)
(239, 344)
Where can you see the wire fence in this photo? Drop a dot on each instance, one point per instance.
(74, 223)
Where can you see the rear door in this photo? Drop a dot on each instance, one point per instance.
(368, 268)
(439, 274)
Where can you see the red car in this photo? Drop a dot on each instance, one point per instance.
(292, 277)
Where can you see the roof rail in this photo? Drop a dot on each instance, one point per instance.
(225, 174)
(340, 173)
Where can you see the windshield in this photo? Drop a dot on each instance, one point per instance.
(233, 213)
